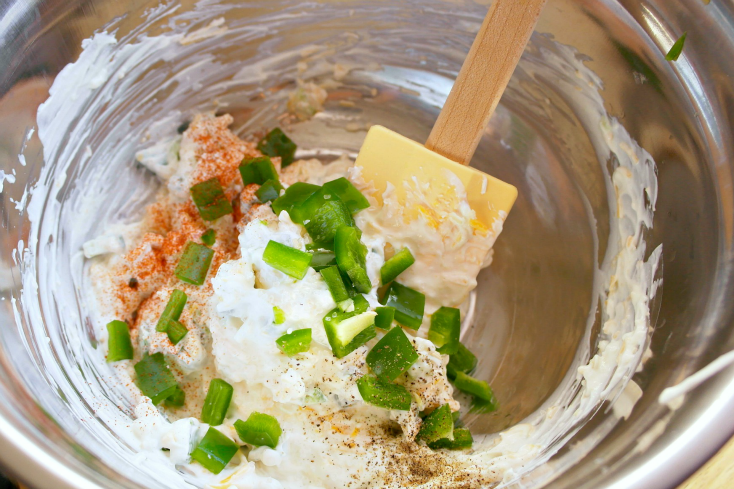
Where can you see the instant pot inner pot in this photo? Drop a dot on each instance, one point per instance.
(535, 312)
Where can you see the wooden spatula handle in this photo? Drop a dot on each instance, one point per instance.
(483, 78)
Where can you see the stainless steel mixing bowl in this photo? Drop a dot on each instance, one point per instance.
(534, 302)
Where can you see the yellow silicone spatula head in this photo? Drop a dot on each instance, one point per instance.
(389, 157)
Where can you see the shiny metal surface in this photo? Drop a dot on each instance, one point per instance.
(534, 301)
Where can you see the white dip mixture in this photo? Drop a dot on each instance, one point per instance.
(125, 269)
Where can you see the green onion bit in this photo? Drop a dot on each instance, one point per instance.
(259, 430)
(172, 311)
(120, 345)
(288, 260)
(210, 199)
(194, 263)
(217, 401)
(214, 451)
(154, 378)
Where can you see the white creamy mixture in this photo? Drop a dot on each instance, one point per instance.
(91, 93)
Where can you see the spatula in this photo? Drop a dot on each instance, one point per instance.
(386, 156)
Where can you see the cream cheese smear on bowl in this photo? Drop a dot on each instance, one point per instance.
(267, 321)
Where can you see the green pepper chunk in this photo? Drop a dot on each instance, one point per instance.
(209, 237)
(462, 440)
(177, 399)
(351, 257)
(269, 191)
(276, 143)
(288, 260)
(347, 331)
(214, 451)
(445, 330)
(154, 379)
(334, 281)
(475, 387)
(483, 406)
(259, 430)
(216, 404)
(299, 341)
(360, 304)
(326, 219)
(194, 263)
(385, 317)
(461, 361)
(176, 331)
(409, 304)
(384, 394)
(392, 355)
(210, 199)
(257, 170)
(347, 193)
(292, 200)
(396, 265)
(174, 308)
(323, 259)
(437, 425)
(119, 343)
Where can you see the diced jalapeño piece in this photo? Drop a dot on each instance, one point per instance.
(177, 399)
(276, 143)
(269, 191)
(119, 343)
(298, 341)
(350, 256)
(475, 387)
(396, 265)
(292, 200)
(173, 310)
(392, 355)
(259, 430)
(347, 193)
(210, 199)
(461, 361)
(214, 451)
(384, 394)
(409, 304)
(257, 170)
(445, 330)
(194, 263)
(462, 440)
(278, 315)
(347, 331)
(217, 401)
(334, 281)
(322, 259)
(385, 317)
(323, 223)
(288, 260)
(154, 379)
(483, 406)
(437, 425)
